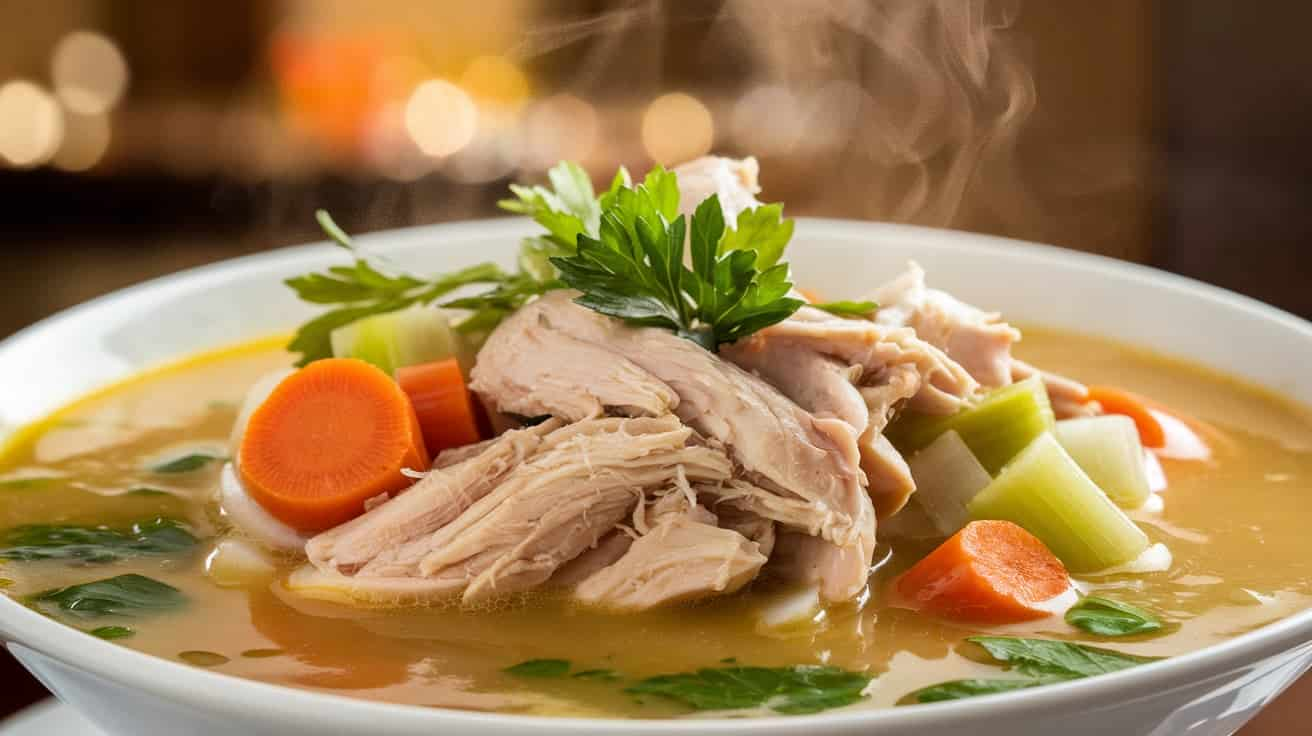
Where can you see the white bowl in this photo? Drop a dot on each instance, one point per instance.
(1212, 691)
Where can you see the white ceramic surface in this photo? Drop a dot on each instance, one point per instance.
(126, 693)
(48, 718)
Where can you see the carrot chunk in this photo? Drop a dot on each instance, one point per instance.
(991, 572)
(1120, 401)
(446, 411)
(331, 436)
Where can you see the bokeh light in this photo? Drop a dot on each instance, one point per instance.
(677, 127)
(440, 118)
(558, 127)
(31, 124)
(86, 139)
(89, 72)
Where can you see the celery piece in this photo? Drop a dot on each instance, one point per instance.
(947, 477)
(1044, 491)
(1108, 449)
(398, 339)
(995, 430)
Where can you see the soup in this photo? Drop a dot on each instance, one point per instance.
(124, 487)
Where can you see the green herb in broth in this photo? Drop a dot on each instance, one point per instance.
(26, 484)
(1106, 617)
(958, 689)
(185, 464)
(787, 690)
(124, 595)
(201, 658)
(95, 544)
(113, 632)
(1040, 661)
(542, 668)
(602, 675)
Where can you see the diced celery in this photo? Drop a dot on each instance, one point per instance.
(1044, 491)
(995, 430)
(398, 339)
(947, 477)
(1108, 449)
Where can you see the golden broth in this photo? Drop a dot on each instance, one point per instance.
(1236, 525)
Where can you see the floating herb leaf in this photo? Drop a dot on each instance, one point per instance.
(540, 668)
(124, 595)
(602, 675)
(27, 484)
(262, 653)
(958, 689)
(185, 464)
(1039, 661)
(762, 229)
(1107, 617)
(848, 308)
(201, 658)
(113, 632)
(1047, 658)
(95, 544)
(789, 690)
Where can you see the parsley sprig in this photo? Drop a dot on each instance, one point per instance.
(634, 268)
(623, 248)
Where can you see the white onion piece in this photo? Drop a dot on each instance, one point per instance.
(790, 610)
(257, 394)
(248, 516)
(238, 563)
(1156, 558)
(1156, 475)
(1060, 603)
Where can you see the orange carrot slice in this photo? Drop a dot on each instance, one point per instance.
(991, 572)
(1120, 401)
(445, 409)
(331, 436)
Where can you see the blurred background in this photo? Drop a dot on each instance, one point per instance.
(138, 138)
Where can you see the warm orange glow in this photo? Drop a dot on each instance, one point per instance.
(31, 123)
(89, 72)
(495, 79)
(677, 127)
(440, 118)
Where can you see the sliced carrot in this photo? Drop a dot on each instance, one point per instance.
(991, 572)
(1119, 401)
(330, 437)
(446, 411)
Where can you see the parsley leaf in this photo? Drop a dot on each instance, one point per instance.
(1043, 657)
(958, 689)
(113, 632)
(94, 544)
(762, 229)
(634, 269)
(124, 595)
(1106, 617)
(540, 668)
(568, 209)
(789, 690)
(363, 290)
(1038, 661)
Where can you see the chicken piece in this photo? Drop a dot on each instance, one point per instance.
(681, 558)
(980, 341)
(556, 501)
(608, 551)
(428, 505)
(841, 573)
(812, 461)
(734, 180)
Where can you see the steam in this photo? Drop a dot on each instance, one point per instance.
(941, 91)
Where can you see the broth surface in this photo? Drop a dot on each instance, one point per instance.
(1236, 525)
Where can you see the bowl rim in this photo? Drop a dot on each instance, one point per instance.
(26, 629)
